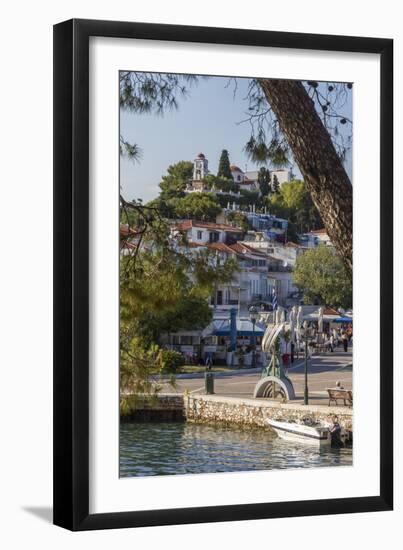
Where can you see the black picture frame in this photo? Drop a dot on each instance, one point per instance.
(71, 274)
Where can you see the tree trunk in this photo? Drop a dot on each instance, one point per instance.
(314, 152)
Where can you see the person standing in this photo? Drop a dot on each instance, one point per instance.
(209, 361)
(335, 434)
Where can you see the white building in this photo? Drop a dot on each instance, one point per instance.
(249, 179)
(243, 180)
(281, 262)
(283, 175)
(250, 282)
(202, 233)
(315, 238)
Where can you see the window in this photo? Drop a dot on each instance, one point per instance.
(214, 237)
(199, 235)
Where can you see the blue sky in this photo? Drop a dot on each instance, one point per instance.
(205, 122)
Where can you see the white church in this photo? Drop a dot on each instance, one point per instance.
(247, 180)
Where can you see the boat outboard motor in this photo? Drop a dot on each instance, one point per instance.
(335, 434)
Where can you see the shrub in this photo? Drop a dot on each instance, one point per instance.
(171, 361)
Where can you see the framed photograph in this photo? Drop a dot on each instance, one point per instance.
(223, 299)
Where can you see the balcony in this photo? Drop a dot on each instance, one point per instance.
(279, 268)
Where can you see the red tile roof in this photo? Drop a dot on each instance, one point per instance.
(126, 231)
(241, 248)
(319, 231)
(191, 244)
(222, 247)
(188, 224)
(330, 311)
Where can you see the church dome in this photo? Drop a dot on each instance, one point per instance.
(235, 168)
(200, 156)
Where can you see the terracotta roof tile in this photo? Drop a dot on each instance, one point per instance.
(188, 224)
(241, 248)
(126, 231)
(330, 311)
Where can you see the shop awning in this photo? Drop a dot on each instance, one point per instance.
(244, 327)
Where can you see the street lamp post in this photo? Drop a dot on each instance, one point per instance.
(306, 391)
(253, 315)
(304, 334)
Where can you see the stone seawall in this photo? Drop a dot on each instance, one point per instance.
(165, 407)
(255, 412)
(229, 410)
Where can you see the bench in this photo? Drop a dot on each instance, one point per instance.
(339, 393)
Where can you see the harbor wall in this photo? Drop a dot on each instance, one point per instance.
(230, 410)
(168, 407)
(256, 412)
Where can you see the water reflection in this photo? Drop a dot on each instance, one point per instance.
(149, 449)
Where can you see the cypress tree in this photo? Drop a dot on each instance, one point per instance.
(263, 180)
(224, 170)
(276, 184)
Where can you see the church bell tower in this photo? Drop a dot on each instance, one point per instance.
(200, 167)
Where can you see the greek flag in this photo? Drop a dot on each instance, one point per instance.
(274, 300)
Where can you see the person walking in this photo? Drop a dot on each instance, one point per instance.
(344, 339)
(330, 341)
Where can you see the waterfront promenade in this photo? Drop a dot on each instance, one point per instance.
(324, 371)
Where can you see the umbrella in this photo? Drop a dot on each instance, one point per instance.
(292, 320)
(282, 315)
(299, 322)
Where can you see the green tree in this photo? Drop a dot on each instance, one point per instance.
(276, 184)
(219, 183)
(199, 206)
(239, 220)
(210, 270)
(165, 206)
(293, 202)
(178, 176)
(323, 278)
(263, 179)
(224, 170)
(248, 197)
(149, 281)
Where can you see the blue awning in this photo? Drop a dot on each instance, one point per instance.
(342, 320)
(244, 327)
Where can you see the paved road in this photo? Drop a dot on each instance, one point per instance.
(323, 372)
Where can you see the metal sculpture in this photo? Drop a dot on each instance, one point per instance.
(275, 382)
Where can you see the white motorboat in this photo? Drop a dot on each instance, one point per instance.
(305, 431)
